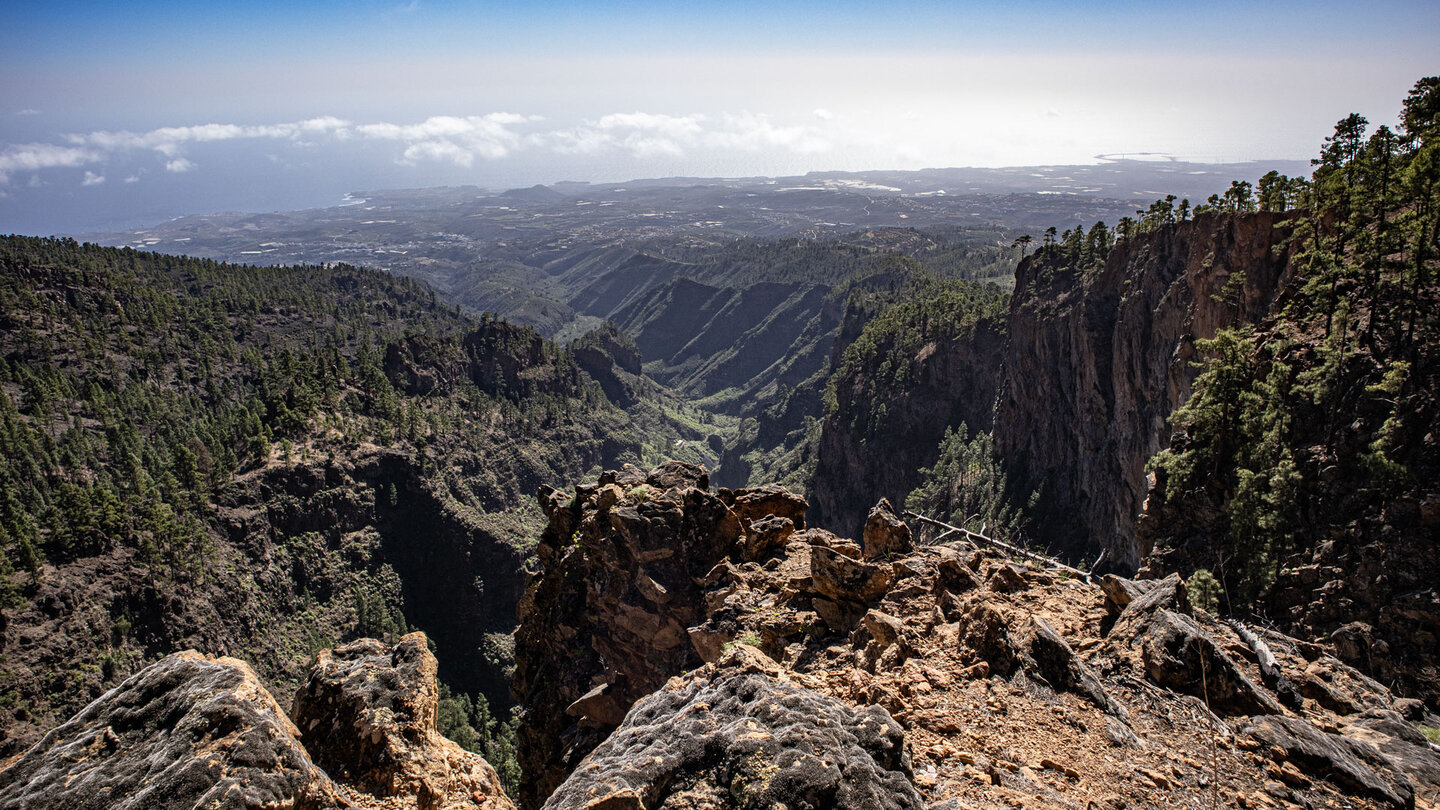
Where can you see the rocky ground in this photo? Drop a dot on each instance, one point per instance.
(195, 731)
(1014, 686)
(683, 649)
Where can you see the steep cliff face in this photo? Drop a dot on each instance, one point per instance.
(902, 377)
(955, 381)
(1096, 363)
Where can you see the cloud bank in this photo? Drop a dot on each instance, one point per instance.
(462, 141)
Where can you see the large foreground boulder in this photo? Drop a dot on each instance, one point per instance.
(187, 731)
(734, 735)
(190, 731)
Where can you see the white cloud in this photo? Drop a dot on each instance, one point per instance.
(460, 140)
(37, 156)
(670, 125)
(27, 111)
(455, 139)
(823, 114)
(134, 178)
(169, 140)
(92, 179)
(753, 133)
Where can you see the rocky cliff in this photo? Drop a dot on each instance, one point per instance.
(1096, 362)
(965, 678)
(191, 731)
(882, 431)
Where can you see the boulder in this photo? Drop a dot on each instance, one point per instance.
(678, 475)
(1006, 579)
(1056, 662)
(733, 735)
(367, 714)
(840, 578)
(952, 575)
(885, 533)
(187, 731)
(1356, 766)
(1179, 654)
(766, 536)
(759, 502)
(1120, 591)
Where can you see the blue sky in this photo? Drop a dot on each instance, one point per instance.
(113, 113)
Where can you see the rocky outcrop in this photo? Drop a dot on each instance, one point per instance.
(1012, 685)
(367, 714)
(738, 734)
(187, 731)
(1096, 362)
(605, 622)
(190, 731)
(1351, 763)
(885, 533)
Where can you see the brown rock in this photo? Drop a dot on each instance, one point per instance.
(885, 533)
(954, 576)
(678, 475)
(1006, 579)
(1120, 591)
(766, 536)
(772, 499)
(840, 578)
(367, 715)
(884, 628)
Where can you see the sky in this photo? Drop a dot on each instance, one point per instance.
(120, 115)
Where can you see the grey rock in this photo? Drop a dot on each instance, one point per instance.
(187, 731)
(1353, 765)
(1062, 669)
(727, 738)
(1179, 654)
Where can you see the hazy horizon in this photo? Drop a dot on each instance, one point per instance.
(113, 117)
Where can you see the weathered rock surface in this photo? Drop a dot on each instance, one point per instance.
(191, 731)
(1096, 363)
(625, 572)
(1178, 652)
(367, 714)
(187, 731)
(885, 533)
(1045, 693)
(1354, 764)
(734, 735)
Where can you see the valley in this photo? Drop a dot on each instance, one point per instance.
(611, 483)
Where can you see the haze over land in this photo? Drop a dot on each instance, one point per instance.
(121, 118)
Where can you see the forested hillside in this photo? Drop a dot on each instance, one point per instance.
(1274, 349)
(265, 461)
(1304, 466)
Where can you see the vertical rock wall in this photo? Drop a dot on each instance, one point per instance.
(1095, 364)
